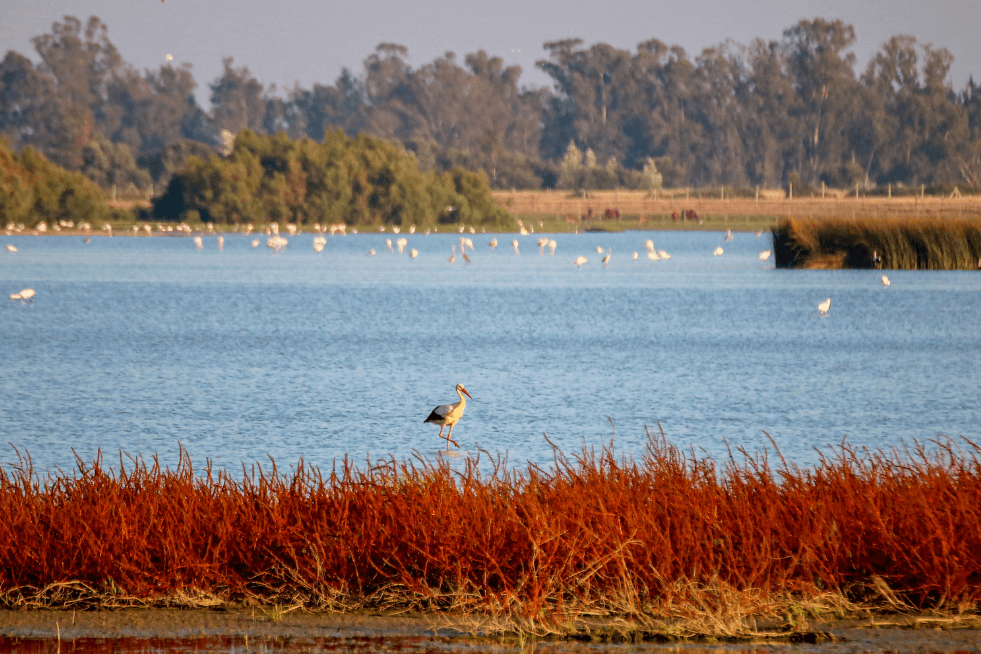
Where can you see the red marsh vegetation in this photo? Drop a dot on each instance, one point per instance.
(663, 536)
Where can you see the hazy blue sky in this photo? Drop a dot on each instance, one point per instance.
(309, 41)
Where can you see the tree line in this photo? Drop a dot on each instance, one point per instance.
(770, 113)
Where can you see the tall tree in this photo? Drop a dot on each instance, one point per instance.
(237, 99)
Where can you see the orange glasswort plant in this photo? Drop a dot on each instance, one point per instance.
(596, 534)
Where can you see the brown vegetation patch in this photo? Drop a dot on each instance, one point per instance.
(670, 544)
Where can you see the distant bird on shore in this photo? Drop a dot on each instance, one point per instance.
(765, 254)
(606, 259)
(388, 244)
(551, 247)
(370, 253)
(493, 244)
(453, 256)
(580, 260)
(718, 252)
(11, 248)
(198, 242)
(885, 281)
(449, 414)
(26, 294)
(413, 253)
(599, 250)
(824, 306)
(729, 235)
(636, 255)
(255, 242)
(514, 244)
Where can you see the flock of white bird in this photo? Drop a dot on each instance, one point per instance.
(276, 242)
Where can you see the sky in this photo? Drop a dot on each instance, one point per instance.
(307, 41)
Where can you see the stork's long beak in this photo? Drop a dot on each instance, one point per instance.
(465, 392)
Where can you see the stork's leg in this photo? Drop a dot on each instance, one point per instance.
(441, 428)
(449, 439)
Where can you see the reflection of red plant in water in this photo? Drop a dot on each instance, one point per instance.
(596, 530)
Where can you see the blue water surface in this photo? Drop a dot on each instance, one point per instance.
(142, 344)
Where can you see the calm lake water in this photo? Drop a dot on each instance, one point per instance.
(141, 344)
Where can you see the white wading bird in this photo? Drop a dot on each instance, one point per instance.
(606, 259)
(255, 242)
(824, 306)
(493, 244)
(413, 253)
(729, 235)
(885, 281)
(580, 260)
(449, 414)
(718, 252)
(551, 247)
(514, 244)
(26, 294)
(11, 248)
(765, 254)
(635, 256)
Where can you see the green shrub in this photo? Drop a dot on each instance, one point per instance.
(359, 180)
(32, 190)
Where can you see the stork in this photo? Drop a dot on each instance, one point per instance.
(765, 254)
(824, 306)
(606, 259)
(885, 280)
(718, 252)
(493, 244)
(449, 414)
(580, 260)
(514, 244)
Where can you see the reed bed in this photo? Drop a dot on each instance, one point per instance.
(664, 538)
(889, 243)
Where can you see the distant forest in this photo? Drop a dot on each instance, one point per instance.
(768, 114)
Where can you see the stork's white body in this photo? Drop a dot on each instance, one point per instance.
(449, 414)
(824, 306)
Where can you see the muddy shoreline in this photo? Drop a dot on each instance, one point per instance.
(893, 633)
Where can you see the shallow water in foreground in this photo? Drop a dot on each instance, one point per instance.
(139, 344)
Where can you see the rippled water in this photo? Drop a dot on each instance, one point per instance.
(139, 344)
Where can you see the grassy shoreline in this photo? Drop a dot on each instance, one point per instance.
(669, 544)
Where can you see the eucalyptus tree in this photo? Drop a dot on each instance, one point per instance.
(927, 131)
(29, 112)
(82, 64)
(591, 104)
(822, 71)
(237, 99)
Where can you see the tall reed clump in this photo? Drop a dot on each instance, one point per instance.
(666, 537)
(915, 243)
